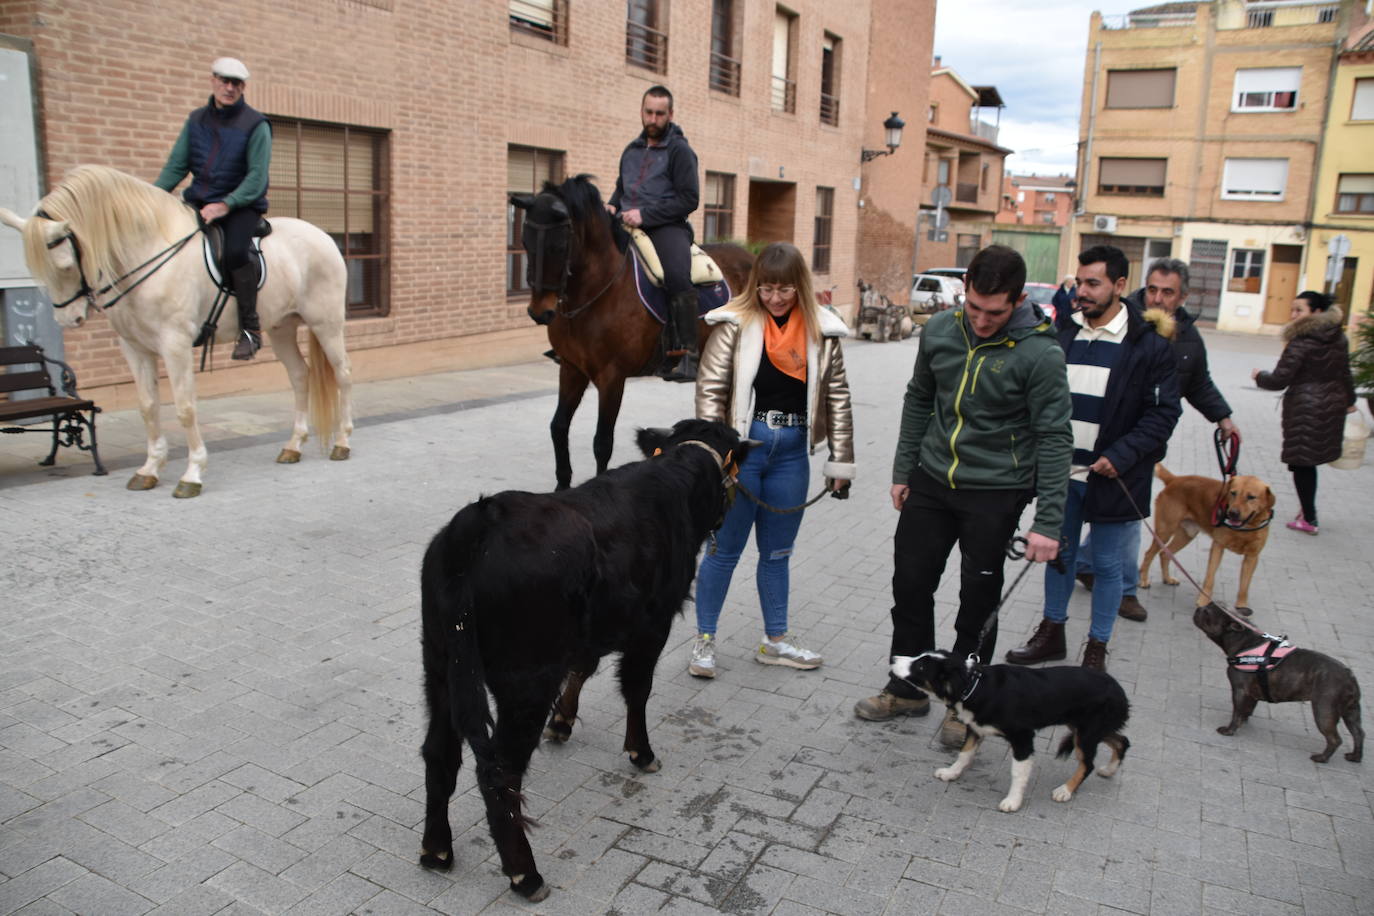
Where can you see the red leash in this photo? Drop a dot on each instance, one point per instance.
(1228, 456)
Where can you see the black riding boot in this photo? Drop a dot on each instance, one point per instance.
(245, 281)
(680, 337)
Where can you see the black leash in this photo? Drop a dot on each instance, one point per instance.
(838, 494)
(1016, 550)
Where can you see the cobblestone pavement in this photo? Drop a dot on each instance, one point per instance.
(214, 706)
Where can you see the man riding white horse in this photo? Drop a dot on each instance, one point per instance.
(227, 147)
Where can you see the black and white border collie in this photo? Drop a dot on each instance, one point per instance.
(1015, 702)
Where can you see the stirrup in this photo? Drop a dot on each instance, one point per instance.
(250, 342)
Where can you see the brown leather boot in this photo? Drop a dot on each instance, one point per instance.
(1095, 655)
(1045, 645)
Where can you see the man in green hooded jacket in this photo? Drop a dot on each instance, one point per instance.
(985, 428)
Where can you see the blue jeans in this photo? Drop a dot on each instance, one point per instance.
(777, 472)
(1130, 557)
(1106, 566)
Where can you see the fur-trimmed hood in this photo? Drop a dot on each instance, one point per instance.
(1164, 323)
(1318, 324)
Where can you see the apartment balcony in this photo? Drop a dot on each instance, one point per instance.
(983, 130)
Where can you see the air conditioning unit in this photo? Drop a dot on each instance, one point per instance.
(1104, 223)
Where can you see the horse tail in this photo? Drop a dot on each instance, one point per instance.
(323, 396)
(452, 653)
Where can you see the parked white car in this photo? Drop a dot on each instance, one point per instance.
(931, 293)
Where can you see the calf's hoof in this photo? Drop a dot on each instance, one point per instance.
(141, 482)
(1321, 758)
(1244, 611)
(558, 729)
(288, 456)
(531, 887)
(340, 453)
(186, 490)
(1225, 730)
(1355, 756)
(437, 861)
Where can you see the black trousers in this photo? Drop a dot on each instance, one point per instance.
(932, 520)
(673, 242)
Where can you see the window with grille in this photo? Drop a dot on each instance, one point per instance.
(718, 207)
(1139, 177)
(1141, 88)
(724, 69)
(1247, 270)
(1254, 179)
(784, 94)
(541, 18)
(646, 35)
(1266, 89)
(820, 246)
(336, 177)
(527, 168)
(830, 80)
(1355, 194)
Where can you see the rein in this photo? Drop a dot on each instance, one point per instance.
(562, 294)
(90, 294)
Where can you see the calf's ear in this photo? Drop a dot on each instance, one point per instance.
(12, 219)
(652, 440)
(523, 201)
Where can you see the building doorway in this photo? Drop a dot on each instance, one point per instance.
(1284, 267)
(772, 211)
(1207, 264)
(1345, 289)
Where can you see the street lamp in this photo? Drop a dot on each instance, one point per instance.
(893, 128)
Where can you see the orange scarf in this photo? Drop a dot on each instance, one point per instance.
(786, 345)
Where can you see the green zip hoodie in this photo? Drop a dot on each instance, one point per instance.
(991, 414)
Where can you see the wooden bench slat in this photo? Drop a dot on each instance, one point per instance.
(25, 381)
(37, 407)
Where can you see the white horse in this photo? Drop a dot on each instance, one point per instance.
(88, 242)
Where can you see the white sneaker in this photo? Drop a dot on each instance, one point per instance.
(783, 652)
(703, 656)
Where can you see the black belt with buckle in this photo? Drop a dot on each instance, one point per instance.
(776, 419)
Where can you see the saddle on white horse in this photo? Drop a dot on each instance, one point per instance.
(704, 269)
(213, 249)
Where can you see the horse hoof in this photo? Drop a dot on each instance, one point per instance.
(531, 887)
(653, 766)
(141, 482)
(436, 861)
(288, 456)
(340, 453)
(186, 490)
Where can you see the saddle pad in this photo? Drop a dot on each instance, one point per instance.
(212, 262)
(704, 269)
(655, 299)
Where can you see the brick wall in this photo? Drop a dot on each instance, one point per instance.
(454, 86)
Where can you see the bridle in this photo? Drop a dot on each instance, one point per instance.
(543, 235)
(85, 291)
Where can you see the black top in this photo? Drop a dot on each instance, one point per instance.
(775, 389)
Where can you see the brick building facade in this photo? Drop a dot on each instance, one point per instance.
(401, 128)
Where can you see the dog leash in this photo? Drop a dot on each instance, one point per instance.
(1228, 457)
(1015, 550)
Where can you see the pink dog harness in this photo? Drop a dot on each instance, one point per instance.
(1261, 659)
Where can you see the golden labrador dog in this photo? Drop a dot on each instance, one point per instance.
(1184, 507)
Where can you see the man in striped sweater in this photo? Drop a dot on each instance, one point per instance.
(1124, 384)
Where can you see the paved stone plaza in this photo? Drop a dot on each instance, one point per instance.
(214, 705)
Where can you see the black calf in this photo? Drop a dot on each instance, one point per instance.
(521, 592)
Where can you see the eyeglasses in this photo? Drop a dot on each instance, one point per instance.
(769, 292)
(229, 81)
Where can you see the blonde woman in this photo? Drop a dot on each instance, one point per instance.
(774, 371)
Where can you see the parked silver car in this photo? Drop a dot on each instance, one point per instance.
(931, 293)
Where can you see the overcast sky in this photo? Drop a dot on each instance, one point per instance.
(1033, 53)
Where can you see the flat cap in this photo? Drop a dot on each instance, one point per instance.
(230, 68)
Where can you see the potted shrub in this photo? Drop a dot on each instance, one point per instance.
(1362, 359)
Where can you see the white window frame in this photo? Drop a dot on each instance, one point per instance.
(1362, 102)
(1266, 83)
(1262, 188)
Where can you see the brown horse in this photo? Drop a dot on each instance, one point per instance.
(582, 286)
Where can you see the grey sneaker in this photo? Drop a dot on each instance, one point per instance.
(703, 656)
(785, 652)
(887, 705)
(953, 733)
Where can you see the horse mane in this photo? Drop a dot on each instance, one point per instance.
(583, 201)
(114, 216)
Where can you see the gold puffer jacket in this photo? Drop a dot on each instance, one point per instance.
(725, 384)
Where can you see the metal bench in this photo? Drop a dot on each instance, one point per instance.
(72, 416)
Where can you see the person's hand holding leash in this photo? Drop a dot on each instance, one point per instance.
(632, 218)
(1041, 549)
(1103, 466)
